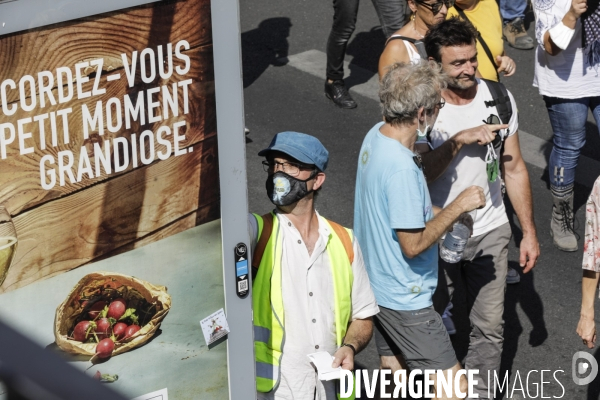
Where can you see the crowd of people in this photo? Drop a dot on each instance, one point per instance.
(429, 163)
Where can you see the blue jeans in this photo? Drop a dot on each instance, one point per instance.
(511, 9)
(568, 118)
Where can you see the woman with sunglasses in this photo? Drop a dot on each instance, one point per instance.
(405, 45)
(485, 16)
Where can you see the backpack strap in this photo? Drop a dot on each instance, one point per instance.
(394, 37)
(486, 49)
(267, 229)
(344, 236)
(263, 238)
(500, 100)
(418, 44)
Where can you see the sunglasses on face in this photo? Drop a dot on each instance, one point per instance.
(290, 168)
(436, 7)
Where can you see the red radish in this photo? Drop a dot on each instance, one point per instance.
(131, 330)
(105, 348)
(103, 327)
(80, 333)
(119, 330)
(96, 308)
(121, 300)
(116, 309)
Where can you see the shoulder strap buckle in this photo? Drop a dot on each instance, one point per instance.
(500, 100)
(265, 234)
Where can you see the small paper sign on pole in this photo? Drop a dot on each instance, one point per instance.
(158, 395)
(214, 327)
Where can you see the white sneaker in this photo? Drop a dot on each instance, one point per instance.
(447, 320)
(512, 276)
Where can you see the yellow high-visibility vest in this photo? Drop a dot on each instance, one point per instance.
(267, 300)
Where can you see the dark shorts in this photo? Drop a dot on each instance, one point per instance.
(419, 336)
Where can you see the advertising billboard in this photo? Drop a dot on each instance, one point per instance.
(110, 226)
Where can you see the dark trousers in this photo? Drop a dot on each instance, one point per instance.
(344, 22)
(392, 14)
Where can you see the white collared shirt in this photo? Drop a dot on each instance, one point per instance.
(309, 320)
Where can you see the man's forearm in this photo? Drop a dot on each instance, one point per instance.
(436, 161)
(359, 333)
(518, 189)
(413, 245)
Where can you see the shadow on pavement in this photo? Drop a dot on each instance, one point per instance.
(525, 295)
(365, 48)
(265, 46)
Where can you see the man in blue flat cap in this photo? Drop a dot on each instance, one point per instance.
(311, 292)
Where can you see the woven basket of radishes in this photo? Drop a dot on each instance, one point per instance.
(108, 314)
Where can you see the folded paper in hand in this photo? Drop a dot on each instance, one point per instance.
(322, 360)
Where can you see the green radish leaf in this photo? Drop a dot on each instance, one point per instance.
(91, 328)
(112, 321)
(128, 313)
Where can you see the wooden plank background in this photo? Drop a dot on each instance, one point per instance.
(68, 226)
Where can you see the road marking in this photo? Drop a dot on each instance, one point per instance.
(366, 83)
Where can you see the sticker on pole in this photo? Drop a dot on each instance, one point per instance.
(242, 280)
(214, 327)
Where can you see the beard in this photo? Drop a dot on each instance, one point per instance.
(461, 83)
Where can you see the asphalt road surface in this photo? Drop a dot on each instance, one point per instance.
(283, 45)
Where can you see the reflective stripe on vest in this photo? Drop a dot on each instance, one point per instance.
(261, 334)
(266, 371)
(267, 302)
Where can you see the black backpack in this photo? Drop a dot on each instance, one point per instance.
(500, 100)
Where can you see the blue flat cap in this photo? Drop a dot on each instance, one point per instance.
(304, 148)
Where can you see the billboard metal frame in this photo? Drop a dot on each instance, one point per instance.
(227, 53)
(20, 15)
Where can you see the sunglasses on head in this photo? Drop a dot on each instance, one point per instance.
(494, 120)
(441, 103)
(436, 7)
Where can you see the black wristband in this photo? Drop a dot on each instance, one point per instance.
(351, 346)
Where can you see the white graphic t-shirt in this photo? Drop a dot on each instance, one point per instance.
(469, 166)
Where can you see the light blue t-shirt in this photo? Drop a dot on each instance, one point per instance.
(391, 193)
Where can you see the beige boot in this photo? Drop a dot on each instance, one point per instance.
(515, 34)
(561, 225)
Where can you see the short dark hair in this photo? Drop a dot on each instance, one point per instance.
(451, 32)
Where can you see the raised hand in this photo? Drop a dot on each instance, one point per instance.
(578, 7)
(481, 135)
(506, 65)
